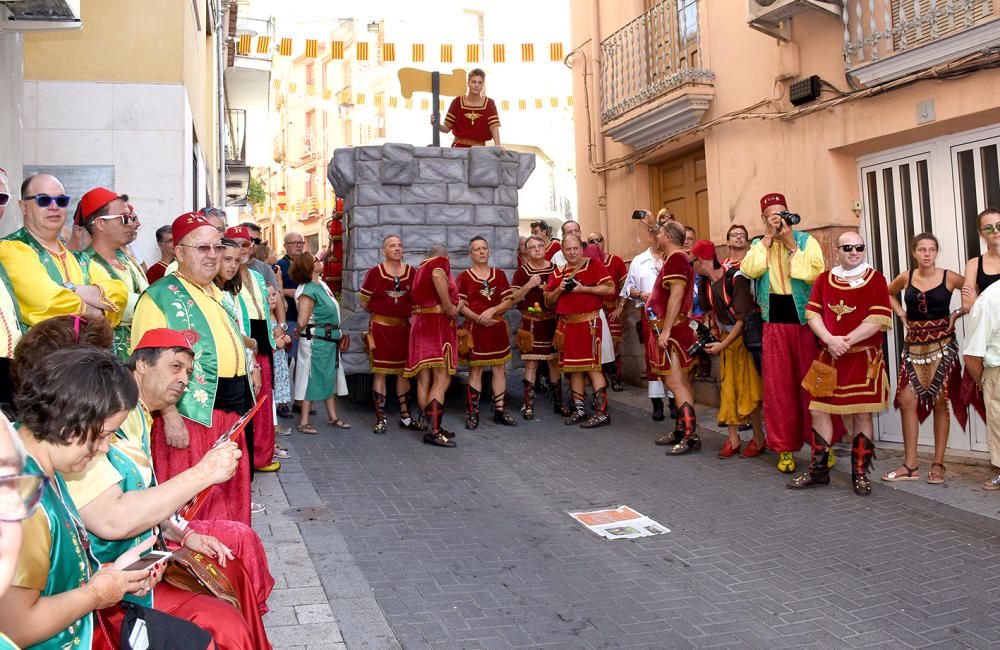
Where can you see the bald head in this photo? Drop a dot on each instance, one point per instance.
(437, 250)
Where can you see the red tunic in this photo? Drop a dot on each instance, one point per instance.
(540, 322)
(156, 271)
(388, 335)
(490, 345)
(675, 270)
(581, 350)
(862, 383)
(471, 124)
(618, 271)
(552, 248)
(433, 341)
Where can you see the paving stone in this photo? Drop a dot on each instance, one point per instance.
(318, 613)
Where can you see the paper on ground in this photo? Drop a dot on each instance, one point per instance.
(619, 523)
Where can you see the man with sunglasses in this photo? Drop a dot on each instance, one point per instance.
(49, 279)
(784, 264)
(10, 317)
(112, 225)
(616, 267)
(225, 376)
(849, 312)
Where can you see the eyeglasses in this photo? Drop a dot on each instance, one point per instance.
(596, 240)
(126, 218)
(847, 248)
(295, 243)
(206, 249)
(246, 244)
(4, 198)
(19, 495)
(741, 235)
(44, 200)
(922, 302)
(990, 228)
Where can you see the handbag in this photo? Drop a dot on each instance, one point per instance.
(524, 341)
(753, 332)
(821, 379)
(558, 341)
(197, 573)
(465, 343)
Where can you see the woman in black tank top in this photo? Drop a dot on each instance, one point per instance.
(930, 368)
(982, 271)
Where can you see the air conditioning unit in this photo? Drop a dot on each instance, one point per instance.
(772, 16)
(39, 15)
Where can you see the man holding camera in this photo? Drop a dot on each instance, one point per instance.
(577, 291)
(785, 263)
(726, 294)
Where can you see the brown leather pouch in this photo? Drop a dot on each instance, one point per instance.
(465, 343)
(558, 341)
(524, 341)
(821, 380)
(369, 341)
(198, 573)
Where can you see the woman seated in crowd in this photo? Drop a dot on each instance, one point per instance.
(320, 341)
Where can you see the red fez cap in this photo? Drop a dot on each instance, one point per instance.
(703, 250)
(162, 337)
(93, 201)
(187, 222)
(238, 232)
(772, 199)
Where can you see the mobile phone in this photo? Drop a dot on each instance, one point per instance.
(149, 560)
(639, 214)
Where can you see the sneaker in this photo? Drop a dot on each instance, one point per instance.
(786, 462)
(257, 508)
(831, 460)
(273, 466)
(992, 484)
(282, 430)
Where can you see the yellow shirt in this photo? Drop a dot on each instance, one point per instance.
(805, 265)
(228, 342)
(93, 481)
(40, 298)
(10, 333)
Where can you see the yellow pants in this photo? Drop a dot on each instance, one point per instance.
(740, 394)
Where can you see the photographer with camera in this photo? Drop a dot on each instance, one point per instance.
(785, 263)
(726, 294)
(667, 310)
(577, 291)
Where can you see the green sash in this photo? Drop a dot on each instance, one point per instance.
(242, 317)
(5, 280)
(181, 312)
(262, 288)
(122, 345)
(70, 564)
(46, 259)
(7, 644)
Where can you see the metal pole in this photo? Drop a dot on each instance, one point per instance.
(436, 107)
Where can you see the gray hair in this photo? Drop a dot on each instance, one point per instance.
(436, 250)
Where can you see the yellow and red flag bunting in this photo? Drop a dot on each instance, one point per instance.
(312, 48)
(243, 47)
(337, 50)
(285, 47)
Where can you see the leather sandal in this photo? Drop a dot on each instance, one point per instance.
(438, 440)
(338, 423)
(936, 478)
(904, 473)
(307, 428)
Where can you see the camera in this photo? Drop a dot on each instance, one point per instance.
(570, 284)
(704, 335)
(639, 214)
(790, 218)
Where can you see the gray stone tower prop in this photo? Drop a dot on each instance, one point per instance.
(425, 195)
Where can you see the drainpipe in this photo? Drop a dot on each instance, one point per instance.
(219, 55)
(599, 157)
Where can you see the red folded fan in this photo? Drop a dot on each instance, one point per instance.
(190, 509)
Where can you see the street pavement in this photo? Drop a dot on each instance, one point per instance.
(384, 542)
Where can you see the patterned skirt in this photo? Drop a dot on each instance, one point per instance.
(930, 364)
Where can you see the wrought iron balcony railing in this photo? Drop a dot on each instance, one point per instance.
(875, 30)
(650, 56)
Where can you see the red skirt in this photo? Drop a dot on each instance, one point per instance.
(433, 344)
(229, 500)
(862, 383)
(581, 346)
(658, 359)
(490, 345)
(388, 354)
(542, 332)
(245, 544)
(263, 419)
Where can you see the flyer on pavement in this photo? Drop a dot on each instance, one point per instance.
(619, 523)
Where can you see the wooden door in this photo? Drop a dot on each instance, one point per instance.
(681, 186)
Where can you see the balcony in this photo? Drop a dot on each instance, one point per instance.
(261, 34)
(889, 39)
(652, 83)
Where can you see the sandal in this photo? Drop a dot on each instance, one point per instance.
(307, 428)
(340, 424)
(905, 473)
(936, 478)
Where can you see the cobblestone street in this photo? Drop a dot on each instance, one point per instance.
(472, 547)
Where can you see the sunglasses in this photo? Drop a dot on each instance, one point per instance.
(44, 200)
(256, 241)
(847, 248)
(4, 198)
(246, 244)
(596, 240)
(19, 495)
(990, 228)
(126, 218)
(206, 249)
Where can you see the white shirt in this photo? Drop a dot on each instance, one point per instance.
(983, 337)
(642, 274)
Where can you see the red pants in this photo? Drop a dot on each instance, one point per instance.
(245, 544)
(229, 500)
(263, 419)
(788, 351)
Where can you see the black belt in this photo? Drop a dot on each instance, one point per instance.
(322, 332)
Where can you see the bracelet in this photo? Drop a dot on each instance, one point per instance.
(187, 535)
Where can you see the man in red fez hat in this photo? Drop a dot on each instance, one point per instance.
(112, 225)
(224, 376)
(49, 279)
(784, 263)
(10, 319)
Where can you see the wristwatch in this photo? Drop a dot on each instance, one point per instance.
(284, 327)
(70, 285)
